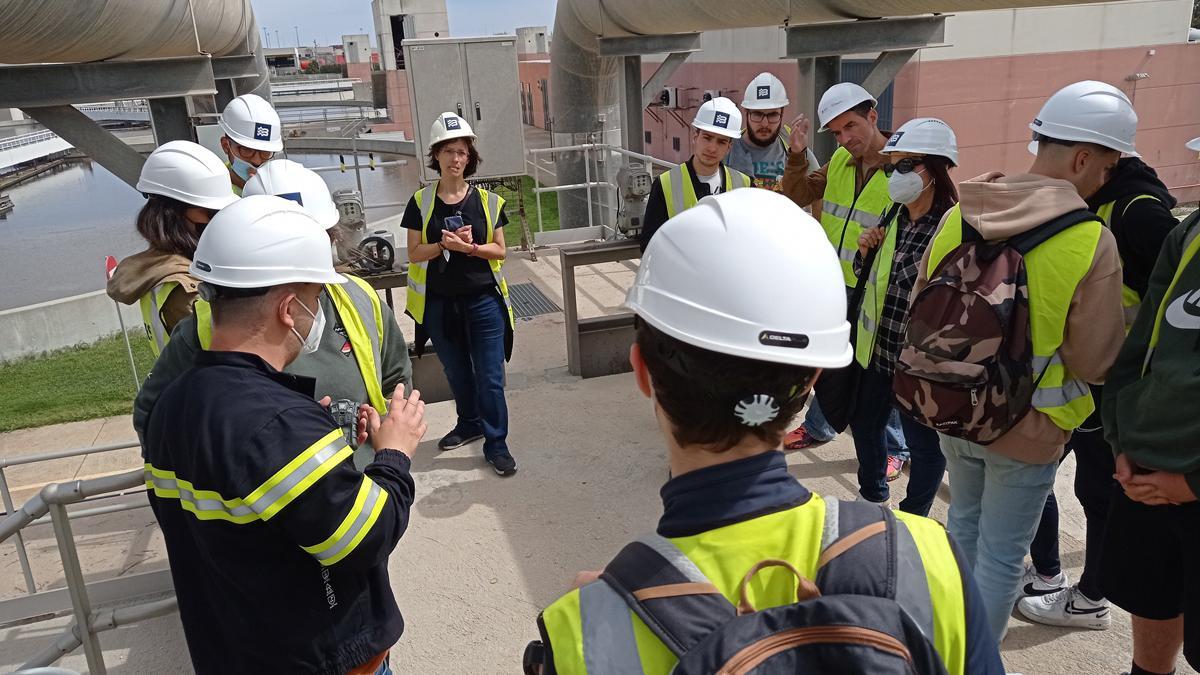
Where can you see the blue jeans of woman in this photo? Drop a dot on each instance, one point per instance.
(869, 426)
(468, 335)
(818, 427)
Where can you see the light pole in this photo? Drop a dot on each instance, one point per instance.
(297, 29)
(266, 37)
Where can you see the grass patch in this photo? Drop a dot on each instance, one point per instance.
(78, 383)
(512, 232)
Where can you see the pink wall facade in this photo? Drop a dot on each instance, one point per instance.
(988, 101)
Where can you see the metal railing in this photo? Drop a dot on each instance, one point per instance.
(593, 180)
(51, 503)
(27, 139)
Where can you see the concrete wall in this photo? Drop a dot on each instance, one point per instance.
(356, 48)
(36, 329)
(533, 40)
(429, 19)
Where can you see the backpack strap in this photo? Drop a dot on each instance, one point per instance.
(1029, 240)
(865, 550)
(668, 592)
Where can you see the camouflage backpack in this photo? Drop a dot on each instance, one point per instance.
(966, 368)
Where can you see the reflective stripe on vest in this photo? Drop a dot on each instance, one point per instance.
(680, 194)
(593, 631)
(1130, 299)
(418, 272)
(844, 214)
(1054, 270)
(874, 297)
(152, 304)
(1191, 247)
(358, 308)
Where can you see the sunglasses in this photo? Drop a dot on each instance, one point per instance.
(906, 165)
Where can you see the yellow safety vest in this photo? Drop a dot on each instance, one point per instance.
(418, 273)
(1054, 270)
(680, 194)
(358, 307)
(152, 304)
(930, 589)
(1131, 300)
(874, 296)
(844, 214)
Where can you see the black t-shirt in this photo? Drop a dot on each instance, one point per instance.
(461, 274)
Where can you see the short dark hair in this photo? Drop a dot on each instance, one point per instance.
(473, 158)
(863, 109)
(698, 389)
(162, 223)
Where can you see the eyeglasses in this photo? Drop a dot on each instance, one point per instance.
(905, 165)
(250, 154)
(759, 116)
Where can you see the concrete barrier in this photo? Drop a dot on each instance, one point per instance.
(81, 319)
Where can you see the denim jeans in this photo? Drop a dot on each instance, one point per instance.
(818, 427)
(995, 505)
(869, 426)
(474, 364)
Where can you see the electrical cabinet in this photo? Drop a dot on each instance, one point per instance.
(477, 79)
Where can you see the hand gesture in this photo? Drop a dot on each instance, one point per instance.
(402, 428)
(465, 234)
(870, 238)
(798, 143)
(453, 242)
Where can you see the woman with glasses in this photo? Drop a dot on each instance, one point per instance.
(456, 292)
(920, 155)
(185, 185)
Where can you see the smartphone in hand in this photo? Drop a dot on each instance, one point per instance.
(451, 224)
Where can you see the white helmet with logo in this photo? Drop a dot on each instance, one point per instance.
(765, 92)
(924, 136)
(1088, 112)
(292, 180)
(264, 241)
(746, 273)
(449, 126)
(252, 123)
(719, 116)
(189, 173)
(838, 99)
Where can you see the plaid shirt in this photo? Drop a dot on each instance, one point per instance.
(911, 241)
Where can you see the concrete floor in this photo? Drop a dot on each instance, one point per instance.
(484, 554)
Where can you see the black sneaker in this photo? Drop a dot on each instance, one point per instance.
(457, 439)
(504, 464)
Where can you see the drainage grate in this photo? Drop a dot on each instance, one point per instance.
(529, 301)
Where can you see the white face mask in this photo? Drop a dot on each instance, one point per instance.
(904, 188)
(309, 344)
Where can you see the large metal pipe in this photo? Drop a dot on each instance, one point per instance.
(583, 85)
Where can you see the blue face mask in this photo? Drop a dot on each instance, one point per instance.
(241, 167)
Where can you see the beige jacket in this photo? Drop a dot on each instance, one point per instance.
(138, 274)
(1000, 207)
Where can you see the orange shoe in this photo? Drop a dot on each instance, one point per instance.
(799, 439)
(895, 465)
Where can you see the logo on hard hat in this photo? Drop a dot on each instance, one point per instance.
(1037, 122)
(774, 339)
(452, 123)
(293, 196)
(262, 131)
(203, 266)
(764, 93)
(895, 139)
(721, 120)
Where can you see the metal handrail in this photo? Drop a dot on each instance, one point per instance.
(27, 139)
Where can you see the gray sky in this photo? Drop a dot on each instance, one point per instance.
(327, 20)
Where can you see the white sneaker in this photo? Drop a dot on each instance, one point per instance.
(1033, 583)
(1067, 607)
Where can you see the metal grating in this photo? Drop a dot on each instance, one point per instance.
(528, 301)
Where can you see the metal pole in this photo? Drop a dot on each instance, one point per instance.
(632, 104)
(137, 381)
(77, 589)
(22, 556)
(587, 177)
(357, 168)
(826, 73)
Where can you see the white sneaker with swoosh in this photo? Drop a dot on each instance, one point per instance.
(1067, 607)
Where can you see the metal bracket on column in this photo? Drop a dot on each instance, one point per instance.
(665, 70)
(169, 119)
(80, 131)
(885, 68)
(234, 67)
(865, 36)
(637, 45)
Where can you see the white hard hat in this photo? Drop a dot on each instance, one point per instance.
(924, 136)
(449, 126)
(252, 123)
(187, 172)
(719, 116)
(1193, 144)
(292, 180)
(264, 241)
(838, 99)
(1088, 112)
(746, 273)
(765, 92)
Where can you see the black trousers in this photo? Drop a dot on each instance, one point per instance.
(1094, 486)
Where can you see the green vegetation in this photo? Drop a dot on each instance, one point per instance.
(512, 233)
(73, 384)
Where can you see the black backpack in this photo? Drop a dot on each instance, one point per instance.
(855, 619)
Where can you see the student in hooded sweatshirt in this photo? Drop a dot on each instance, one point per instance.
(1136, 207)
